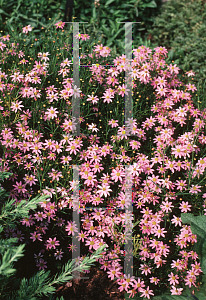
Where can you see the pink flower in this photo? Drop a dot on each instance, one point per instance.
(117, 174)
(55, 175)
(195, 189)
(146, 293)
(35, 236)
(145, 269)
(90, 179)
(185, 207)
(114, 272)
(51, 113)
(176, 220)
(60, 24)
(20, 187)
(104, 190)
(173, 279)
(91, 242)
(154, 280)
(16, 106)
(92, 98)
(26, 29)
(176, 291)
(71, 228)
(52, 243)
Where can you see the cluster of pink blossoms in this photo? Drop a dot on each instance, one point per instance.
(29, 150)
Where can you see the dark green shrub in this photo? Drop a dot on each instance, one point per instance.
(181, 27)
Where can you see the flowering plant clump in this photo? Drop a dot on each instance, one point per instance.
(164, 153)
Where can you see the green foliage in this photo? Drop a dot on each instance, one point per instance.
(37, 13)
(103, 19)
(180, 27)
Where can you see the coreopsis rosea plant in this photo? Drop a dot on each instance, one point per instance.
(154, 162)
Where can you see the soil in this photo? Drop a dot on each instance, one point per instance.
(97, 287)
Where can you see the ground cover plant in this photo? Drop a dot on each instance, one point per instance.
(165, 156)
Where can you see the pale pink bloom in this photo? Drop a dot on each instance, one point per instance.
(117, 174)
(114, 272)
(45, 58)
(2, 46)
(154, 280)
(93, 127)
(185, 207)
(195, 189)
(93, 99)
(104, 190)
(176, 291)
(145, 269)
(190, 73)
(90, 179)
(166, 206)
(176, 220)
(27, 28)
(107, 97)
(113, 123)
(71, 227)
(55, 174)
(158, 231)
(91, 242)
(76, 91)
(51, 113)
(16, 106)
(20, 187)
(173, 279)
(146, 293)
(138, 284)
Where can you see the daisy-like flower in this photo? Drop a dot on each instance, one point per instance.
(176, 291)
(117, 174)
(166, 206)
(71, 227)
(16, 106)
(52, 243)
(114, 272)
(76, 91)
(92, 127)
(195, 189)
(93, 99)
(173, 279)
(176, 220)
(35, 236)
(190, 73)
(45, 57)
(184, 206)
(104, 190)
(26, 29)
(60, 24)
(58, 254)
(113, 123)
(146, 293)
(41, 264)
(51, 113)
